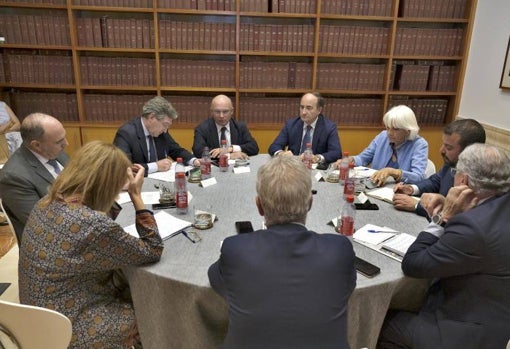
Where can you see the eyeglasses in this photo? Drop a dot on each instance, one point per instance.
(454, 171)
(224, 111)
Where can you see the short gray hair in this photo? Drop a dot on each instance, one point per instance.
(284, 188)
(160, 107)
(401, 116)
(488, 168)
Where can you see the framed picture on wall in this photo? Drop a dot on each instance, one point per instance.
(505, 75)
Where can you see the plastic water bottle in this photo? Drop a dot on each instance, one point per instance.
(344, 169)
(223, 163)
(205, 164)
(308, 156)
(349, 184)
(181, 191)
(346, 224)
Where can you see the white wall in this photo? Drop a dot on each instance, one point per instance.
(482, 99)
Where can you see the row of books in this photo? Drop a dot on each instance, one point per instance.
(433, 8)
(421, 77)
(429, 41)
(117, 71)
(52, 2)
(35, 30)
(199, 73)
(116, 3)
(428, 111)
(358, 7)
(63, 106)
(213, 5)
(353, 40)
(277, 38)
(197, 35)
(115, 32)
(350, 76)
(275, 75)
(38, 69)
(112, 108)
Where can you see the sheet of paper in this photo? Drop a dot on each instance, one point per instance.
(362, 171)
(168, 176)
(399, 244)
(148, 197)
(363, 234)
(168, 225)
(384, 193)
(242, 169)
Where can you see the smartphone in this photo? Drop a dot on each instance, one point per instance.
(244, 227)
(163, 206)
(366, 268)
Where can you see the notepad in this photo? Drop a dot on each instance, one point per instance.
(399, 244)
(363, 234)
(168, 225)
(384, 193)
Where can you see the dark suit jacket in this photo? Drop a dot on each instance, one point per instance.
(23, 182)
(206, 135)
(470, 305)
(132, 140)
(286, 287)
(325, 139)
(439, 182)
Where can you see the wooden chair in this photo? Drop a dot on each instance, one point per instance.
(31, 327)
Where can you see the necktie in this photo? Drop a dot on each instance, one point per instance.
(307, 138)
(152, 150)
(223, 134)
(394, 152)
(55, 165)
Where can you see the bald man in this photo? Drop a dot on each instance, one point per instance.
(220, 125)
(32, 168)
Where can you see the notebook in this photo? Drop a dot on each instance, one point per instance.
(399, 244)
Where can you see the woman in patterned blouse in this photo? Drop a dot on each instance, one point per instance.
(72, 249)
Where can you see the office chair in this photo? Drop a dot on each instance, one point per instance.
(431, 169)
(31, 327)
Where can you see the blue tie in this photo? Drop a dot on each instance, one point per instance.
(55, 165)
(152, 150)
(223, 134)
(307, 138)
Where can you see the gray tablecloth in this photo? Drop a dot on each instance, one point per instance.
(176, 307)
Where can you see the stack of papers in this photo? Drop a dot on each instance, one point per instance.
(399, 244)
(384, 193)
(365, 172)
(373, 234)
(168, 225)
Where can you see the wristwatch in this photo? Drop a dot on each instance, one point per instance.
(438, 219)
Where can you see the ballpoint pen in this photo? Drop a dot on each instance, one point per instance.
(380, 231)
(187, 236)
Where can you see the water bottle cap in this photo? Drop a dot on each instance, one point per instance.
(350, 198)
(179, 159)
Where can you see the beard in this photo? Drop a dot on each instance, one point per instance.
(448, 162)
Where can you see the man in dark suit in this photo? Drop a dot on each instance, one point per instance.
(309, 127)
(220, 126)
(465, 249)
(150, 132)
(32, 168)
(286, 286)
(456, 136)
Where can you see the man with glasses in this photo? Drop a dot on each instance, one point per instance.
(456, 136)
(146, 140)
(33, 167)
(221, 126)
(311, 126)
(464, 250)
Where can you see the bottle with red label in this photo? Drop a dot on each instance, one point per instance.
(308, 156)
(346, 224)
(344, 169)
(349, 184)
(205, 164)
(223, 162)
(181, 190)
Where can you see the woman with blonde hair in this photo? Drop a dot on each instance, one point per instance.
(398, 151)
(72, 249)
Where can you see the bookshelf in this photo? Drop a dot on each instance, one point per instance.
(93, 63)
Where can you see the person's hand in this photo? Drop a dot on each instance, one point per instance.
(380, 177)
(404, 202)
(215, 153)
(134, 186)
(164, 164)
(402, 188)
(196, 163)
(350, 159)
(459, 199)
(432, 203)
(239, 155)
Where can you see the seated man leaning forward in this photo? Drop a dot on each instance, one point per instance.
(146, 140)
(221, 126)
(311, 126)
(398, 151)
(286, 286)
(464, 250)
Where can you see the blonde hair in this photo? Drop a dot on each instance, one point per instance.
(96, 173)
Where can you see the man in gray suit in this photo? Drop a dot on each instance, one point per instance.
(465, 251)
(286, 286)
(32, 168)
